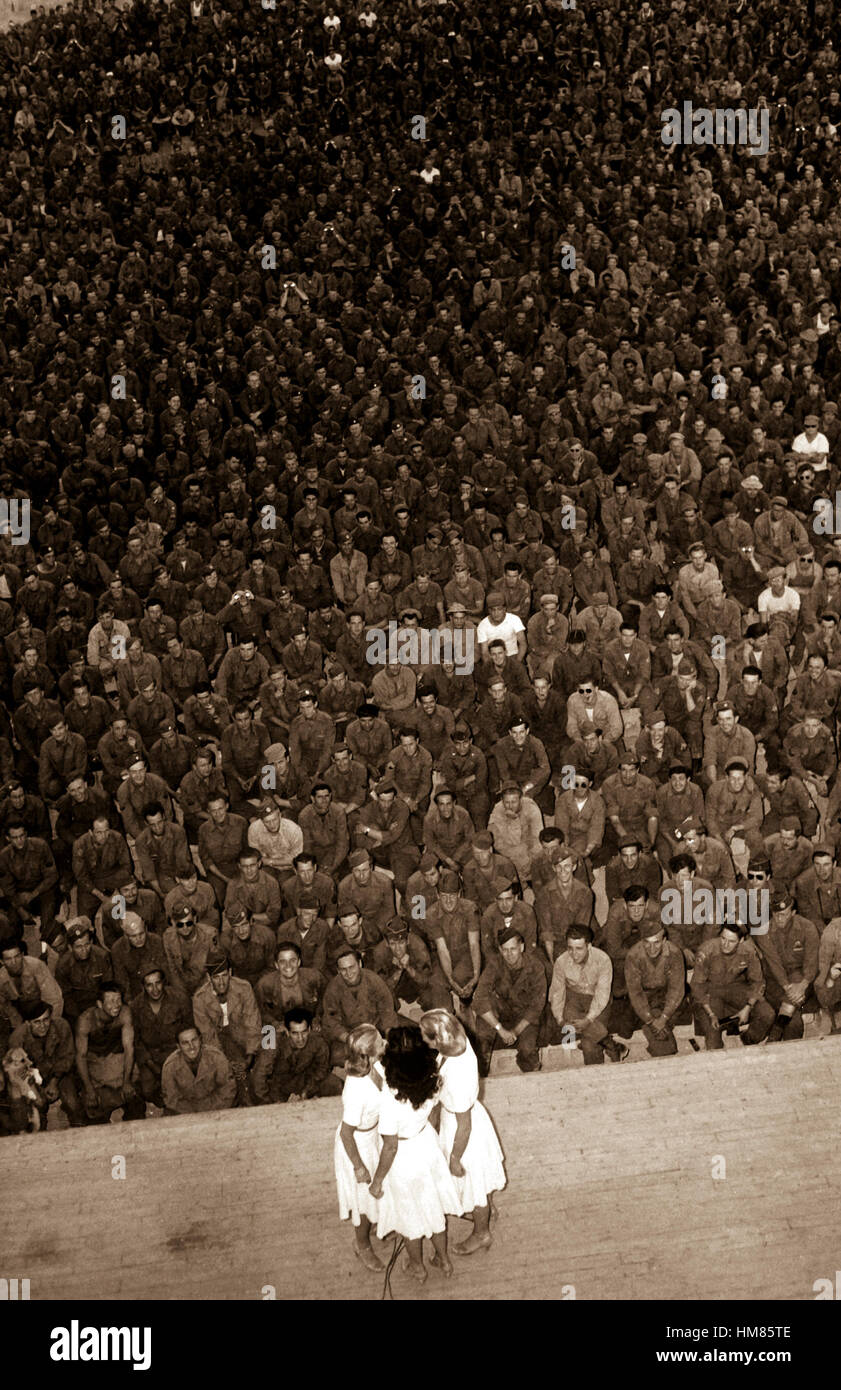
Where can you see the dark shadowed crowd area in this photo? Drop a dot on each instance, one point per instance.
(420, 559)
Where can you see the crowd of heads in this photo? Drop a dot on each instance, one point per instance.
(328, 328)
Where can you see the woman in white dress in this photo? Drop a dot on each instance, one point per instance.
(356, 1150)
(466, 1135)
(413, 1184)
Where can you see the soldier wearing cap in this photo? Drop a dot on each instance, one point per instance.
(187, 945)
(48, 1042)
(789, 949)
(149, 709)
(414, 976)
(789, 853)
(509, 1002)
(226, 1014)
(171, 755)
(192, 893)
(451, 924)
(81, 968)
(660, 748)
(728, 985)
(779, 606)
(655, 977)
(158, 1014)
(371, 891)
(277, 839)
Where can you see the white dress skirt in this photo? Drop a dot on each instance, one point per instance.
(419, 1191)
(361, 1109)
(483, 1158)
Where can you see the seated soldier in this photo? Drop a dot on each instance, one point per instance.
(48, 1043)
(728, 987)
(158, 1014)
(355, 996)
(197, 1076)
(226, 1014)
(579, 998)
(631, 867)
(789, 949)
(81, 969)
(105, 1058)
(250, 945)
(655, 977)
(509, 1003)
(187, 944)
(412, 974)
(561, 902)
(828, 982)
(301, 1069)
(628, 920)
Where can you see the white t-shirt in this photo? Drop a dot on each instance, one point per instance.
(506, 632)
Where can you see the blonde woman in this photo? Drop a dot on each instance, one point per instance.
(466, 1135)
(356, 1150)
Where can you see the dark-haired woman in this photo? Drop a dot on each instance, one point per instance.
(413, 1184)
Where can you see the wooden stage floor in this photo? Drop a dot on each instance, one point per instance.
(611, 1193)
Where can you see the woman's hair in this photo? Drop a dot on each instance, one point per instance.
(445, 1029)
(361, 1044)
(411, 1066)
